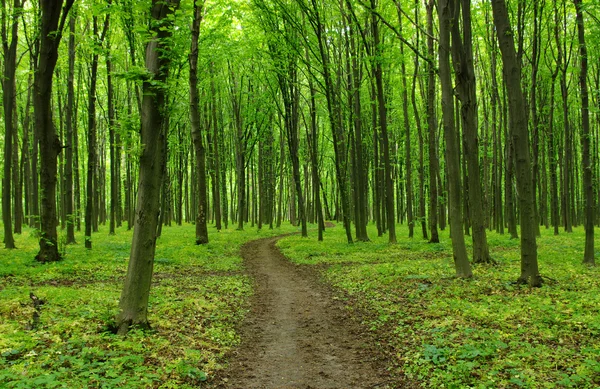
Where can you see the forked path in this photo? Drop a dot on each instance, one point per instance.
(296, 335)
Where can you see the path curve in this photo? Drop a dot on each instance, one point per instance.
(296, 335)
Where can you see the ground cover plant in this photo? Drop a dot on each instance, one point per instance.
(198, 297)
(486, 332)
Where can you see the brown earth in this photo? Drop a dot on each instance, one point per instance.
(297, 335)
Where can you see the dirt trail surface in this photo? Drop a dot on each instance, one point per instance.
(296, 335)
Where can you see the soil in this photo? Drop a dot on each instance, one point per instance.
(297, 335)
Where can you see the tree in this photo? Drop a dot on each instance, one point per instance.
(432, 125)
(446, 13)
(520, 140)
(71, 129)
(8, 89)
(53, 17)
(588, 256)
(464, 71)
(136, 289)
(201, 227)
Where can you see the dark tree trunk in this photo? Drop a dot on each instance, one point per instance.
(201, 227)
(361, 182)
(92, 190)
(71, 128)
(462, 52)
(216, 154)
(407, 145)
(114, 177)
(389, 184)
(446, 14)
(520, 137)
(136, 290)
(432, 126)
(53, 17)
(10, 124)
(333, 108)
(588, 256)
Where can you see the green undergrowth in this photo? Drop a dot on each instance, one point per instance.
(486, 332)
(199, 296)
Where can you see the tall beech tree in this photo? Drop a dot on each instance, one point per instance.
(466, 88)
(195, 126)
(588, 255)
(91, 203)
(71, 130)
(9, 48)
(53, 14)
(520, 142)
(383, 128)
(432, 130)
(136, 289)
(446, 13)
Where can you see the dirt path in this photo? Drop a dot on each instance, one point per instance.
(296, 335)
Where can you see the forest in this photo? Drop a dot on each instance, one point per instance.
(300, 193)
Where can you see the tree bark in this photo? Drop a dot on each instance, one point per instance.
(432, 126)
(588, 256)
(10, 125)
(446, 14)
(71, 128)
(462, 53)
(201, 227)
(136, 290)
(53, 16)
(389, 184)
(518, 131)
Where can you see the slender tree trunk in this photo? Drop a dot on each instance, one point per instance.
(136, 290)
(10, 125)
(71, 128)
(334, 116)
(407, 145)
(52, 23)
(114, 179)
(462, 52)
(216, 154)
(446, 13)
(201, 227)
(92, 170)
(389, 184)
(518, 129)
(432, 126)
(588, 257)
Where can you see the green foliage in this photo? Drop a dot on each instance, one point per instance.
(484, 333)
(199, 296)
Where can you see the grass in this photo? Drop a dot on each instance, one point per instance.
(199, 296)
(481, 333)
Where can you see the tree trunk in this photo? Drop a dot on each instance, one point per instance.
(10, 125)
(407, 145)
(92, 190)
(201, 227)
(389, 184)
(518, 130)
(446, 14)
(216, 155)
(71, 128)
(53, 16)
(333, 109)
(114, 179)
(462, 53)
(588, 256)
(432, 126)
(136, 290)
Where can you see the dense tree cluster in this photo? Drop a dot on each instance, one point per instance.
(478, 115)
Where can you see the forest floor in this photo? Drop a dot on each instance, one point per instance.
(298, 334)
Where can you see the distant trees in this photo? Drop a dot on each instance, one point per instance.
(303, 111)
